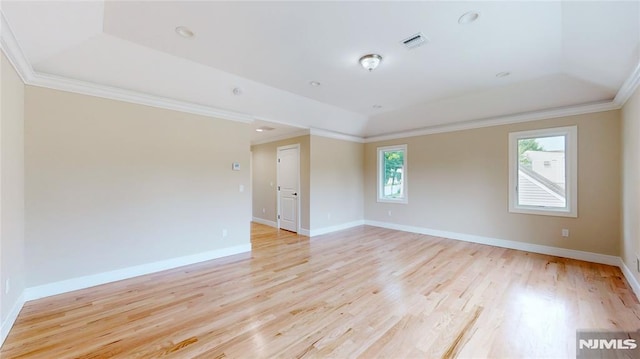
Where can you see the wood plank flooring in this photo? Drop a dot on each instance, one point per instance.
(365, 292)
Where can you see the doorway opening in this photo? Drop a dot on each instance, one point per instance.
(288, 190)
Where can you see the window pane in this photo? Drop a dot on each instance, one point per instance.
(392, 181)
(541, 172)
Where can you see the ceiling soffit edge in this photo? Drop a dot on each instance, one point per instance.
(14, 53)
(335, 135)
(12, 49)
(280, 137)
(628, 87)
(114, 93)
(502, 120)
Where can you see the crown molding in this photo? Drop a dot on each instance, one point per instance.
(113, 93)
(335, 135)
(502, 120)
(628, 87)
(13, 51)
(280, 137)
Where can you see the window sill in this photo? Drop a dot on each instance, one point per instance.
(399, 201)
(544, 212)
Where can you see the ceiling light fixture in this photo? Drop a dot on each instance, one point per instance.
(264, 128)
(314, 83)
(377, 107)
(184, 32)
(371, 61)
(237, 91)
(468, 18)
(503, 74)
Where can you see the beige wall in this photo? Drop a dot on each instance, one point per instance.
(264, 175)
(631, 183)
(458, 182)
(111, 184)
(11, 188)
(337, 175)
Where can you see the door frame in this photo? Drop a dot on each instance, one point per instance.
(297, 147)
(251, 181)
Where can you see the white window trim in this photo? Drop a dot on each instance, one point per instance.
(380, 175)
(571, 171)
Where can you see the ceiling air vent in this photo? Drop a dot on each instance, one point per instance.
(414, 41)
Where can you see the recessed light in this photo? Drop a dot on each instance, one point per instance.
(314, 83)
(237, 91)
(468, 17)
(503, 74)
(184, 32)
(377, 106)
(264, 128)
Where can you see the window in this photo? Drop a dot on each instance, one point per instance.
(543, 172)
(392, 174)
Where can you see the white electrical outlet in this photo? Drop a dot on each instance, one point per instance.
(389, 213)
(241, 188)
(224, 233)
(565, 232)
(264, 210)
(329, 216)
(6, 286)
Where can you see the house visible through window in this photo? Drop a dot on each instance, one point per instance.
(543, 166)
(392, 174)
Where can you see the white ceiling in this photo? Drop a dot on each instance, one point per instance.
(558, 53)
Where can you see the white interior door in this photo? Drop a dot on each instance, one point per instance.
(288, 187)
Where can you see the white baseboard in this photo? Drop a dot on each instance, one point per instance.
(69, 285)
(312, 232)
(339, 227)
(630, 278)
(304, 232)
(7, 324)
(522, 246)
(527, 247)
(112, 276)
(266, 222)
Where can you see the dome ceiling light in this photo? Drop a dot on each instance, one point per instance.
(371, 61)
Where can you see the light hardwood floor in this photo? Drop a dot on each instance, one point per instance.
(365, 292)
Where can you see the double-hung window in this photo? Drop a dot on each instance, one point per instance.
(392, 174)
(543, 171)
